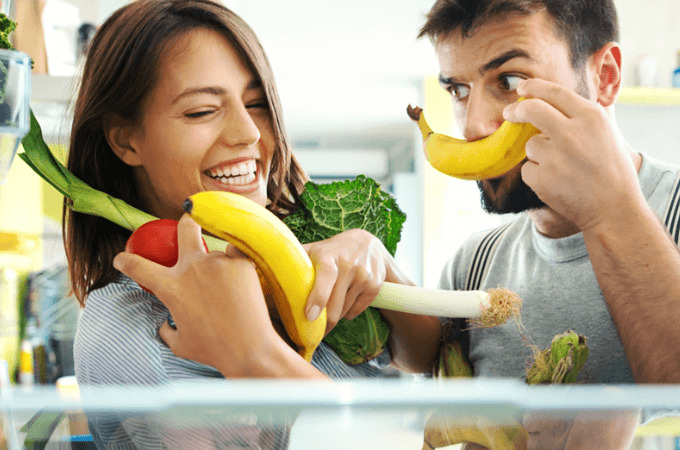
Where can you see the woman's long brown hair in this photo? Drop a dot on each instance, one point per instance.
(120, 71)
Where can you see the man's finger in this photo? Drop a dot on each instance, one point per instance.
(144, 271)
(537, 112)
(565, 100)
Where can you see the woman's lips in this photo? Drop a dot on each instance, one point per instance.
(238, 177)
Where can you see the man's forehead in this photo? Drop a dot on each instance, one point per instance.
(496, 40)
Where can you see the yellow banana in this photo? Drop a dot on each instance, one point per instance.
(443, 430)
(276, 252)
(485, 158)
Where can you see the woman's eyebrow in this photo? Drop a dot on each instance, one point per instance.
(213, 90)
(253, 84)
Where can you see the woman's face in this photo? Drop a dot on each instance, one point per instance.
(205, 127)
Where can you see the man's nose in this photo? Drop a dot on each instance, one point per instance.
(483, 116)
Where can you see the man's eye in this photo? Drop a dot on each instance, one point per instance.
(459, 92)
(510, 82)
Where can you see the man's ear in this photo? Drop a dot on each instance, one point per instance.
(606, 65)
(118, 132)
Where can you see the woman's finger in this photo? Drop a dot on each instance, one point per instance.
(337, 302)
(145, 272)
(189, 239)
(326, 276)
(364, 298)
(233, 252)
(168, 335)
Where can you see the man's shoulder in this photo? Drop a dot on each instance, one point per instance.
(480, 240)
(477, 249)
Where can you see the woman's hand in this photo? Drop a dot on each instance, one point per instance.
(350, 270)
(217, 304)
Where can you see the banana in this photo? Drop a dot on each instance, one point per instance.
(442, 430)
(485, 158)
(276, 252)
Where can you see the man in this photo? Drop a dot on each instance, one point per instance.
(587, 250)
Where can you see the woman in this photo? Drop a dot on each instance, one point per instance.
(177, 97)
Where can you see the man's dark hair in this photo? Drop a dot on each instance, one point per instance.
(586, 25)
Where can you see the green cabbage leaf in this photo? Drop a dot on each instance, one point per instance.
(330, 208)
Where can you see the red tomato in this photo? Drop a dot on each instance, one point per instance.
(157, 241)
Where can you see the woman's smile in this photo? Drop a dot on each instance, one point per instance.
(238, 176)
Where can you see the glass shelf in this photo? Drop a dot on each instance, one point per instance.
(359, 414)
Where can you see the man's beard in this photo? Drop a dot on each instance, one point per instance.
(519, 197)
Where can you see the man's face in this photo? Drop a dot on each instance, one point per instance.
(481, 73)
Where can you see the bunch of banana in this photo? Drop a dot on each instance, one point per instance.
(444, 429)
(485, 158)
(276, 252)
(560, 363)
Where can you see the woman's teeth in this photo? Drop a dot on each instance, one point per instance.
(242, 173)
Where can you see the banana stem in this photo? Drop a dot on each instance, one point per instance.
(432, 302)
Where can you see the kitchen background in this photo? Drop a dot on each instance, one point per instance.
(346, 70)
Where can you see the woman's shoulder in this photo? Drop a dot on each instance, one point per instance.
(122, 300)
(117, 333)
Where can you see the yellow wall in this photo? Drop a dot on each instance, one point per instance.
(21, 225)
(451, 207)
(21, 208)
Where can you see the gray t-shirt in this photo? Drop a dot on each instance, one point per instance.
(555, 279)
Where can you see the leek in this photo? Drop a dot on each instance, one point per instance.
(85, 199)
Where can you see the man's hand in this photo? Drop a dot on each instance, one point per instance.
(592, 430)
(578, 165)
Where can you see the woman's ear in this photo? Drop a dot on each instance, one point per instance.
(118, 132)
(606, 64)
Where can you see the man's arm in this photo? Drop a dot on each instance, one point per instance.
(637, 265)
(583, 170)
(414, 340)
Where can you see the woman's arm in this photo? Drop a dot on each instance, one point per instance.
(217, 304)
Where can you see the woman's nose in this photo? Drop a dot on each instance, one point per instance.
(240, 130)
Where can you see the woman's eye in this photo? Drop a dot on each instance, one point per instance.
(258, 104)
(198, 114)
(510, 82)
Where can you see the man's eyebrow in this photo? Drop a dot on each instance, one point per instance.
(254, 84)
(446, 81)
(502, 59)
(491, 65)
